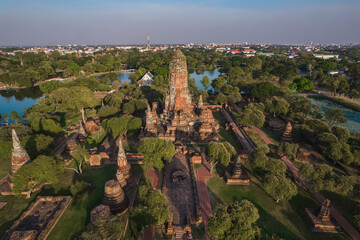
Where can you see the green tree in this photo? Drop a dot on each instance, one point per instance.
(156, 150)
(192, 86)
(114, 100)
(15, 116)
(220, 152)
(252, 117)
(335, 116)
(80, 155)
(112, 228)
(234, 222)
(5, 118)
(264, 90)
(220, 99)
(254, 63)
(107, 111)
(289, 150)
(205, 82)
(151, 207)
(301, 84)
(218, 83)
(320, 176)
(122, 124)
(116, 85)
(73, 98)
(279, 187)
(49, 86)
(341, 133)
(43, 168)
(277, 106)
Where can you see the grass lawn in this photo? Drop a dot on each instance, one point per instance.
(273, 136)
(226, 135)
(95, 139)
(256, 137)
(77, 215)
(285, 219)
(5, 164)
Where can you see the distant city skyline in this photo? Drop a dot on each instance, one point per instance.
(91, 22)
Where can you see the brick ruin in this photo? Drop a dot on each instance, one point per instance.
(39, 219)
(19, 157)
(236, 175)
(179, 119)
(321, 220)
(287, 135)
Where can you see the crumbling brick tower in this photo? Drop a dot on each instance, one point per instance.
(178, 106)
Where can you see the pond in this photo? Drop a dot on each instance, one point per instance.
(199, 74)
(353, 117)
(18, 99)
(194, 73)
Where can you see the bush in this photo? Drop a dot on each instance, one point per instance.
(79, 188)
(107, 111)
(289, 150)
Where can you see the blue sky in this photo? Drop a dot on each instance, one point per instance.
(40, 22)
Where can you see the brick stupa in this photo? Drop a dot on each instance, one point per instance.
(115, 197)
(19, 157)
(237, 175)
(321, 220)
(287, 135)
(122, 162)
(179, 120)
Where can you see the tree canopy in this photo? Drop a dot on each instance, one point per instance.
(156, 150)
(234, 221)
(43, 168)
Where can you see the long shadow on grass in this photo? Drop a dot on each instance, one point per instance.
(268, 224)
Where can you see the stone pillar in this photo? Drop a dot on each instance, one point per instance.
(115, 197)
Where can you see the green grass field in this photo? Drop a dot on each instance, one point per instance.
(256, 137)
(226, 135)
(77, 215)
(285, 219)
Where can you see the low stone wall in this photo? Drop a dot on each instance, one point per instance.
(198, 213)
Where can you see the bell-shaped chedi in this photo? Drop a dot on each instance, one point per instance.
(287, 135)
(122, 162)
(100, 214)
(19, 156)
(115, 197)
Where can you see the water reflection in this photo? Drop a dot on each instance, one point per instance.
(353, 117)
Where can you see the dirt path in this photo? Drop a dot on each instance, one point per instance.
(154, 175)
(335, 214)
(202, 175)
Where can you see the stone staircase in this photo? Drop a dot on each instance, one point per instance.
(179, 233)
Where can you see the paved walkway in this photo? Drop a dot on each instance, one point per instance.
(334, 213)
(202, 175)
